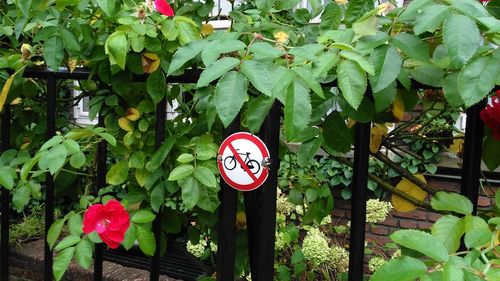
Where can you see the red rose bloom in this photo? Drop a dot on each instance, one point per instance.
(110, 220)
(491, 116)
(164, 8)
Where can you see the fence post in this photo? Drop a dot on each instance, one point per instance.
(161, 115)
(473, 148)
(100, 183)
(49, 183)
(226, 228)
(4, 248)
(260, 205)
(358, 205)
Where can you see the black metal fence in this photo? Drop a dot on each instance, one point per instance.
(260, 204)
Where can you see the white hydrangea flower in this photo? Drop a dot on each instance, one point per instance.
(396, 254)
(213, 247)
(198, 249)
(375, 263)
(279, 243)
(377, 211)
(339, 259)
(315, 247)
(283, 206)
(326, 220)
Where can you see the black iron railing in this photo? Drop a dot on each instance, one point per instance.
(260, 204)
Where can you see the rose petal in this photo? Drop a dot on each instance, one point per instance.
(164, 8)
(91, 217)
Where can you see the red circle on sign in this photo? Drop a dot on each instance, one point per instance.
(228, 143)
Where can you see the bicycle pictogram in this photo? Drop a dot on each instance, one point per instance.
(230, 162)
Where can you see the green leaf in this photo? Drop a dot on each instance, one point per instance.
(385, 98)
(117, 47)
(356, 9)
(75, 224)
(491, 150)
(143, 216)
(474, 9)
(453, 202)
(54, 232)
(158, 196)
(185, 54)
(286, 78)
(308, 52)
(431, 18)
(367, 27)
(307, 151)
(336, 135)
(461, 38)
(264, 5)
(428, 75)
(156, 85)
(412, 46)
(181, 172)
(53, 159)
(83, 254)
(77, 160)
(6, 179)
(310, 80)
(400, 269)
(286, 4)
(190, 192)
(413, 9)
(360, 60)
(108, 6)
(387, 62)
(216, 70)
(137, 160)
(21, 197)
(68, 241)
(215, 48)
(450, 89)
(187, 29)
(205, 176)
(161, 154)
(230, 95)
(209, 199)
(130, 237)
(118, 173)
(452, 269)
(257, 110)
(449, 229)
(422, 242)
(146, 239)
(53, 51)
(185, 158)
(298, 110)
(477, 78)
(323, 64)
(62, 261)
(264, 50)
(331, 17)
(260, 75)
(352, 82)
(477, 237)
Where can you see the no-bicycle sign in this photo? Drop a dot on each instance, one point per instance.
(243, 160)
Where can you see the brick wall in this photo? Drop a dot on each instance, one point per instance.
(417, 219)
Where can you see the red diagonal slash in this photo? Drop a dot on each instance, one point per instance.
(241, 162)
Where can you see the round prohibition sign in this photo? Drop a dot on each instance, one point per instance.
(242, 161)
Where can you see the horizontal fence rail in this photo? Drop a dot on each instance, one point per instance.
(261, 222)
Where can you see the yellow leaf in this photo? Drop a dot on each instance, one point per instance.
(376, 134)
(341, 2)
(350, 123)
(241, 220)
(132, 114)
(150, 62)
(72, 64)
(413, 190)
(398, 108)
(125, 124)
(281, 37)
(457, 146)
(5, 91)
(16, 101)
(207, 29)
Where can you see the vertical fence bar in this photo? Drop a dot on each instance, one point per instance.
(161, 115)
(49, 184)
(100, 183)
(226, 229)
(4, 248)
(358, 205)
(473, 147)
(260, 205)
